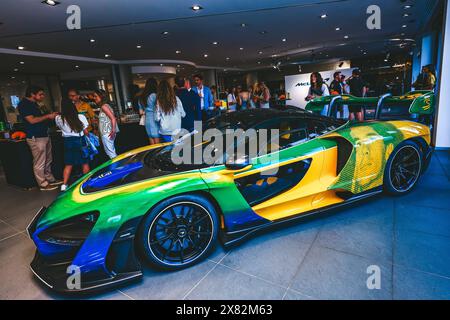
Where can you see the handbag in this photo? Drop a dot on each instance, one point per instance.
(88, 146)
(142, 120)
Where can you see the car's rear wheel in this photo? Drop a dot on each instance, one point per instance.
(403, 168)
(179, 232)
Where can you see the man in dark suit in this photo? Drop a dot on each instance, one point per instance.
(191, 104)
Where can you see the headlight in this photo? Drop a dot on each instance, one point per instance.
(70, 232)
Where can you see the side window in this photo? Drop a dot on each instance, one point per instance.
(316, 128)
(292, 131)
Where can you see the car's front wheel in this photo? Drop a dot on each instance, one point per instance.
(403, 168)
(179, 232)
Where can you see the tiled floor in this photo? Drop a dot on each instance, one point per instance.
(408, 238)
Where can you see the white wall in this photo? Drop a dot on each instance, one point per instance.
(298, 85)
(443, 113)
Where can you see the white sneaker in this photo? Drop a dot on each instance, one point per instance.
(63, 187)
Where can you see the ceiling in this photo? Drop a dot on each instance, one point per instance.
(118, 27)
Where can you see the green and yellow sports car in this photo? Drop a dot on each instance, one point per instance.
(143, 206)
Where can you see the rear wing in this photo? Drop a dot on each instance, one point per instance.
(415, 105)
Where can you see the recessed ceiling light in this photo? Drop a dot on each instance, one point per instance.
(92, 40)
(139, 46)
(196, 7)
(404, 26)
(165, 33)
(227, 58)
(346, 37)
(243, 25)
(263, 32)
(205, 55)
(241, 48)
(178, 65)
(21, 48)
(15, 70)
(323, 16)
(260, 52)
(405, 15)
(77, 67)
(215, 43)
(337, 29)
(284, 39)
(178, 51)
(21, 62)
(13, 77)
(107, 55)
(161, 64)
(364, 53)
(407, 6)
(259, 62)
(51, 2)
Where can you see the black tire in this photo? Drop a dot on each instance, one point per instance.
(403, 168)
(179, 232)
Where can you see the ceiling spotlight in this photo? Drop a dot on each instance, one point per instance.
(138, 46)
(337, 29)
(259, 62)
(323, 16)
(21, 48)
(13, 77)
(205, 55)
(92, 40)
(215, 43)
(21, 62)
(346, 37)
(161, 64)
(260, 52)
(165, 33)
(405, 15)
(196, 7)
(178, 51)
(404, 26)
(243, 25)
(51, 2)
(107, 55)
(227, 58)
(178, 65)
(15, 70)
(284, 39)
(77, 67)
(407, 7)
(241, 48)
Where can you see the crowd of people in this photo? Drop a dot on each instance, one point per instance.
(165, 110)
(354, 85)
(76, 120)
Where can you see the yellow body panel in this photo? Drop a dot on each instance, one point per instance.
(311, 193)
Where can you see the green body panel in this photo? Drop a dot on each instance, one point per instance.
(121, 204)
(417, 102)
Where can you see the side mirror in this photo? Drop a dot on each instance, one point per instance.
(238, 164)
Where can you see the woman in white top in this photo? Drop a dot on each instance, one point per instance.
(169, 111)
(107, 123)
(264, 96)
(318, 88)
(231, 99)
(74, 127)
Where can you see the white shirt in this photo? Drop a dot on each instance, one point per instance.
(67, 131)
(170, 124)
(202, 101)
(231, 98)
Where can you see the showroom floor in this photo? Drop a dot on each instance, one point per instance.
(327, 258)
